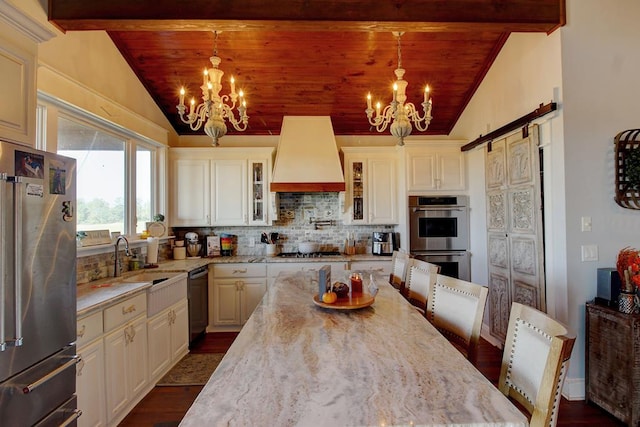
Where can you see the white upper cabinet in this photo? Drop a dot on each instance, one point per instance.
(371, 180)
(220, 186)
(435, 167)
(229, 184)
(190, 191)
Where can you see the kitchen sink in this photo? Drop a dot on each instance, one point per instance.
(153, 277)
(168, 288)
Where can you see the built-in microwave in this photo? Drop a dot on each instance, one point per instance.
(438, 223)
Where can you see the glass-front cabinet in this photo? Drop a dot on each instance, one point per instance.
(259, 193)
(371, 196)
(357, 196)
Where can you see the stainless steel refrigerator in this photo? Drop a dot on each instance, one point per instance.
(37, 287)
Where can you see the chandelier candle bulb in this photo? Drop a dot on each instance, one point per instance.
(233, 85)
(369, 100)
(426, 93)
(181, 96)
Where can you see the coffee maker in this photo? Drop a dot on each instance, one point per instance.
(384, 243)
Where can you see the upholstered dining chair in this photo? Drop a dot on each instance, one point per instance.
(421, 275)
(455, 307)
(399, 263)
(534, 363)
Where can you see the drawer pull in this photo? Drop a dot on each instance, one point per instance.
(244, 270)
(129, 309)
(79, 366)
(82, 331)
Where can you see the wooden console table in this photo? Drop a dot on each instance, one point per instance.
(612, 363)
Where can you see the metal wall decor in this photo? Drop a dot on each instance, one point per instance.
(627, 158)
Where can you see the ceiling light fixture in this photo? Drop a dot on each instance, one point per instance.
(400, 113)
(213, 110)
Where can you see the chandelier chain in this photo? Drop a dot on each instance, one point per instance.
(399, 53)
(215, 43)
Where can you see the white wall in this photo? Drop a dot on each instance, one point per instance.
(601, 88)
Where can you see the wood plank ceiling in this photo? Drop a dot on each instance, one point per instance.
(296, 57)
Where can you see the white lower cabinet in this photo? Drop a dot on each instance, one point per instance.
(125, 367)
(123, 353)
(90, 386)
(90, 378)
(168, 333)
(237, 291)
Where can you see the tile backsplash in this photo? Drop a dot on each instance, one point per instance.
(293, 226)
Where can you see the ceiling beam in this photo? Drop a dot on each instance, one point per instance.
(304, 15)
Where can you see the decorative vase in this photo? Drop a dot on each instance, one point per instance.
(628, 302)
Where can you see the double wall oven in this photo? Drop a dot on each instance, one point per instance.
(439, 233)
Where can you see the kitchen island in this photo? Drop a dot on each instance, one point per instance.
(297, 364)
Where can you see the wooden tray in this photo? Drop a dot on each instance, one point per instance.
(359, 301)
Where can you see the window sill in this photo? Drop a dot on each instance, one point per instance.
(83, 251)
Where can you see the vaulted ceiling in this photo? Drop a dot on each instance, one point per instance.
(301, 57)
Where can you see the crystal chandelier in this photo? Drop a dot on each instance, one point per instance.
(214, 108)
(400, 113)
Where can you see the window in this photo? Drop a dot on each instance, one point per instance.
(112, 172)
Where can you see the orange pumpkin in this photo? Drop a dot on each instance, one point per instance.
(329, 297)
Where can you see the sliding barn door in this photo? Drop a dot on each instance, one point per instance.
(514, 227)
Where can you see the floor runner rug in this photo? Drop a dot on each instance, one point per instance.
(193, 369)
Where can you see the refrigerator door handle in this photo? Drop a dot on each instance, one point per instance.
(75, 414)
(17, 233)
(29, 388)
(3, 184)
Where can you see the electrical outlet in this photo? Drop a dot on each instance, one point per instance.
(252, 242)
(289, 214)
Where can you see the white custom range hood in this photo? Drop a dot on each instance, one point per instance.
(307, 157)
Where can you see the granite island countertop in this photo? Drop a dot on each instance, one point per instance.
(297, 364)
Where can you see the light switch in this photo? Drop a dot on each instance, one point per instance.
(586, 223)
(589, 252)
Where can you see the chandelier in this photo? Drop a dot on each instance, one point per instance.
(214, 108)
(399, 113)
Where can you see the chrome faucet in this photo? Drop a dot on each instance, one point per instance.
(116, 270)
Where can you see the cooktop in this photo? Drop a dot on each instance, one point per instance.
(309, 255)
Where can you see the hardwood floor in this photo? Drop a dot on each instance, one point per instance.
(165, 406)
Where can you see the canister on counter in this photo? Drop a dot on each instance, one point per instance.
(213, 246)
(179, 252)
(226, 243)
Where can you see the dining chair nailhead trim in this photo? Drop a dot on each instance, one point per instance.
(542, 333)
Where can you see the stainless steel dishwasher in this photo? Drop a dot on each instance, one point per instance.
(198, 285)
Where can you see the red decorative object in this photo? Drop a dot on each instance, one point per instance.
(628, 266)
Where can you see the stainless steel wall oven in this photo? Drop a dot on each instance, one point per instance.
(439, 232)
